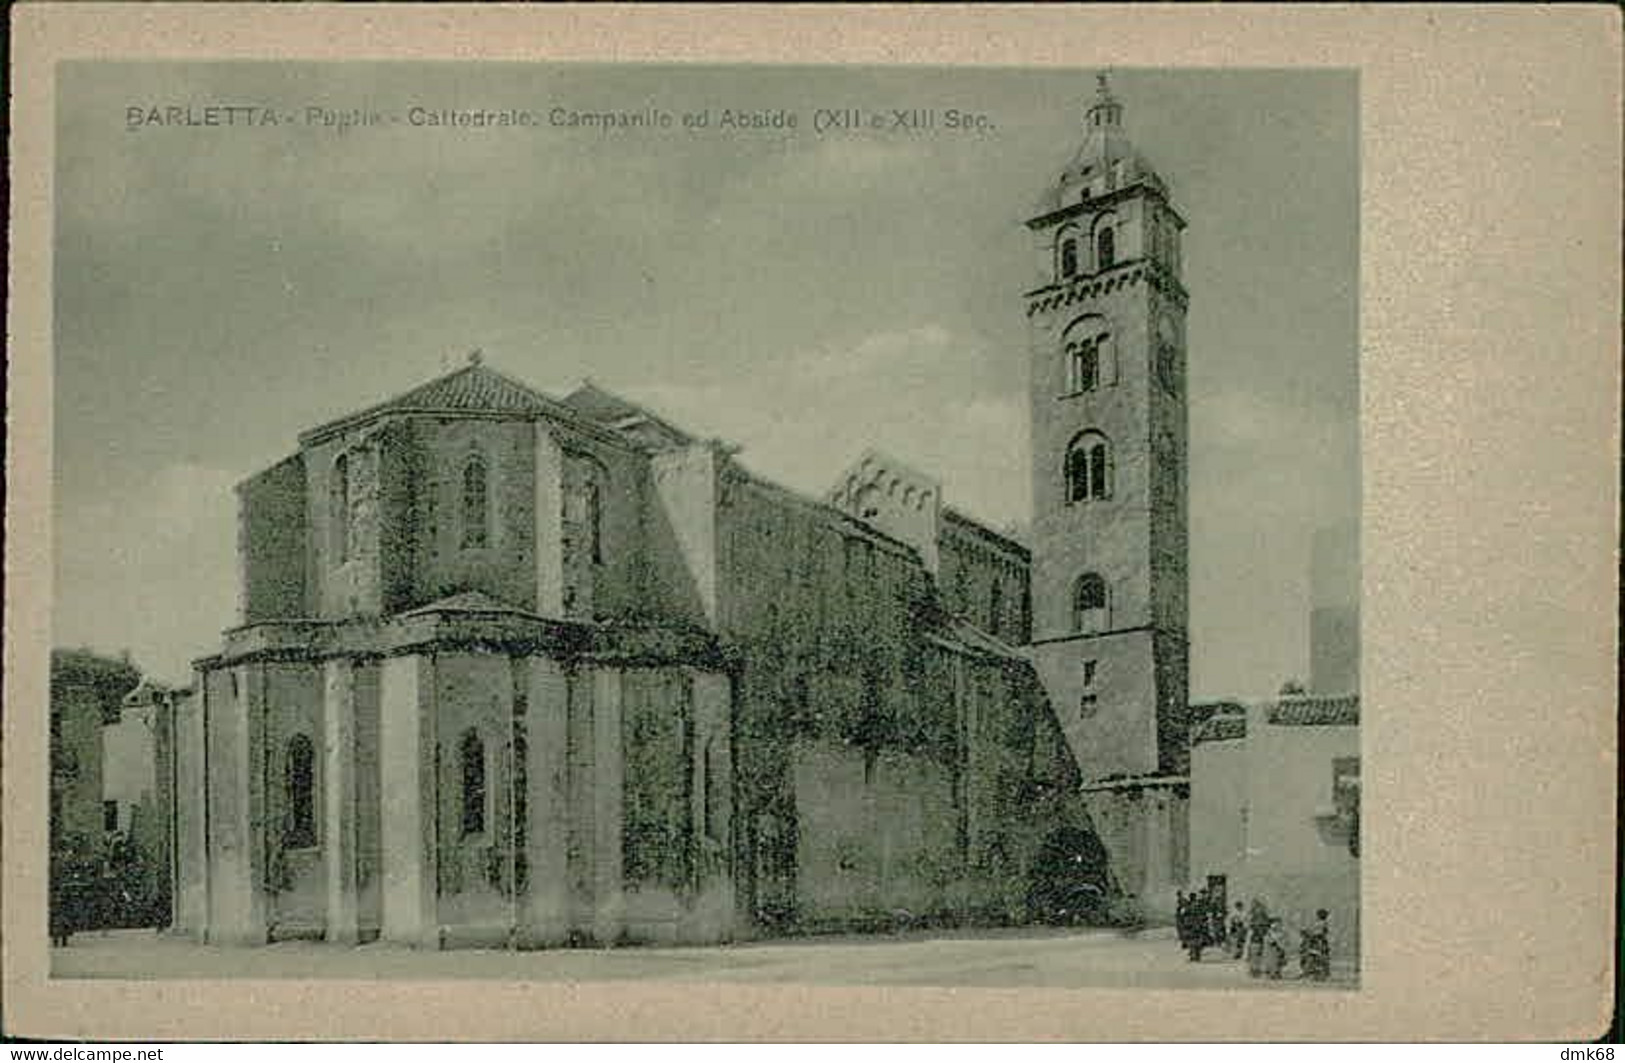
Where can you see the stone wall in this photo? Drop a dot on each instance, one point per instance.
(1218, 821)
(273, 548)
(878, 843)
(984, 580)
(129, 761)
(445, 564)
(1115, 734)
(191, 812)
(235, 855)
(1295, 860)
(474, 696)
(675, 805)
(824, 612)
(290, 700)
(682, 534)
(1109, 536)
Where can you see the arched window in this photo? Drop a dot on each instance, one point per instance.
(299, 790)
(338, 508)
(1105, 247)
(475, 519)
(1069, 257)
(595, 521)
(1091, 357)
(1083, 365)
(586, 488)
(1089, 604)
(1088, 468)
(471, 752)
(868, 502)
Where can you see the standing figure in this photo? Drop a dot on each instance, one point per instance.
(1195, 927)
(1274, 950)
(1215, 921)
(1314, 949)
(1238, 932)
(1182, 920)
(1258, 924)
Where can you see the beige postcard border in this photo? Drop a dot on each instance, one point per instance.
(1490, 382)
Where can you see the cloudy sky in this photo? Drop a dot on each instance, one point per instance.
(803, 294)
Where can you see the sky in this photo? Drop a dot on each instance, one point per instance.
(804, 294)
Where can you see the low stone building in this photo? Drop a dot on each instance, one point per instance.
(1275, 786)
(86, 692)
(1275, 810)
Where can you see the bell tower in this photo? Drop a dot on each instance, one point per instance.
(1109, 444)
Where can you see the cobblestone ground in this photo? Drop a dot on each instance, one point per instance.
(1054, 958)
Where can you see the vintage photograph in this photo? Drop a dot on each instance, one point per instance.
(844, 525)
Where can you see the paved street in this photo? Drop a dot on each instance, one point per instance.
(1057, 958)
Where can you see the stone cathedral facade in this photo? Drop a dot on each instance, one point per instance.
(516, 669)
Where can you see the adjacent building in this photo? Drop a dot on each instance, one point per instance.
(1276, 785)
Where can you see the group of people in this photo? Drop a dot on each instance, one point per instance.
(1251, 933)
(93, 887)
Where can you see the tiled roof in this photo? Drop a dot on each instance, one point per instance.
(1006, 539)
(467, 602)
(968, 638)
(1219, 728)
(623, 415)
(1312, 711)
(473, 388)
(145, 692)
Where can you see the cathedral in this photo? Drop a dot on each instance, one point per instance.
(535, 671)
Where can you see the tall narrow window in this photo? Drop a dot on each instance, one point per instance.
(1097, 471)
(1088, 468)
(1089, 604)
(299, 789)
(338, 508)
(472, 753)
(995, 608)
(711, 792)
(1069, 257)
(1083, 370)
(595, 521)
(475, 528)
(1106, 247)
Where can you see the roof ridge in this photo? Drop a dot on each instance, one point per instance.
(588, 384)
(475, 386)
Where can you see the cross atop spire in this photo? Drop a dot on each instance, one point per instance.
(1105, 111)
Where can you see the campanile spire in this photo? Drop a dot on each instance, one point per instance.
(1105, 111)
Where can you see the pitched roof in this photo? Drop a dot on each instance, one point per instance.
(965, 637)
(1005, 539)
(475, 388)
(623, 415)
(467, 602)
(1219, 728)
(1312, 711)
